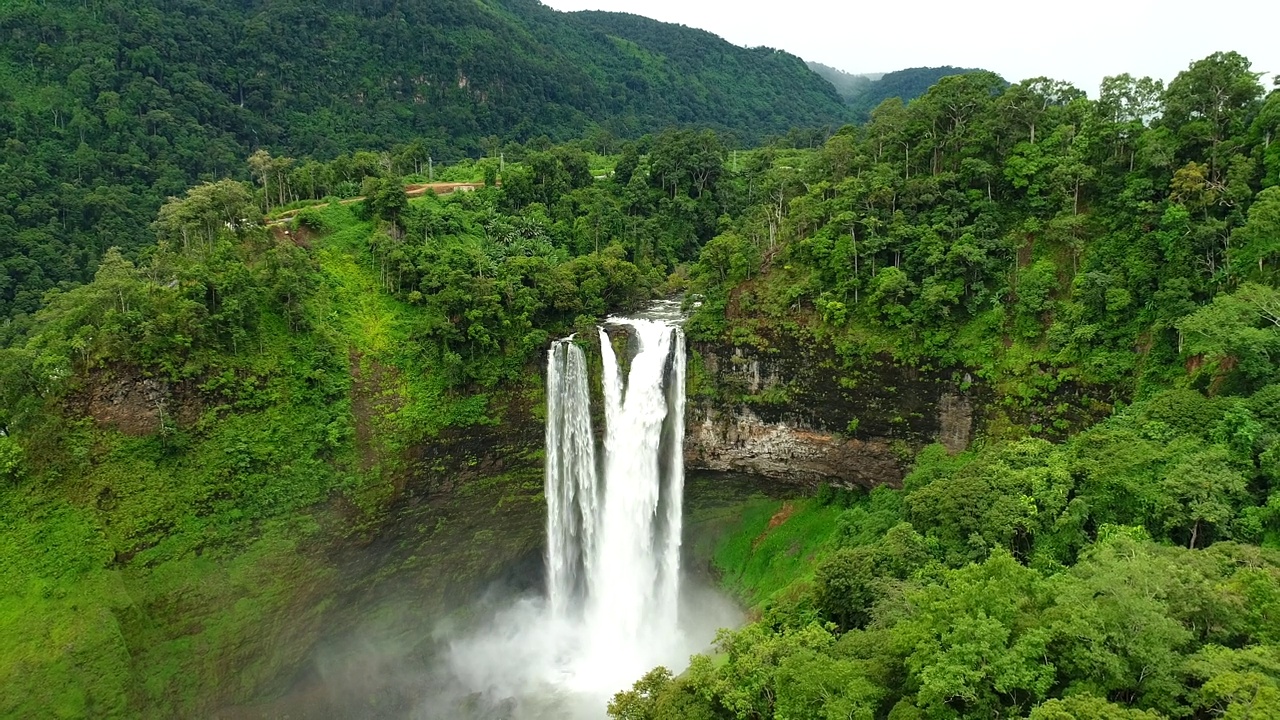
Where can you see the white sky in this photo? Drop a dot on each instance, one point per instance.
(1080, 41)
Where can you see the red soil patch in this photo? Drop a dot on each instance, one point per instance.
(788, 509)
(301, 237)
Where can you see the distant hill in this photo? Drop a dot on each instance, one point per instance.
(849, 85)
(699, 77)
(106, 107)
(862, 93)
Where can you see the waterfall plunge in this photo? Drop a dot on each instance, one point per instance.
(613, 537)
(572, 482)
(613, 546)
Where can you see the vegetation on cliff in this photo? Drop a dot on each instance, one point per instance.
(1035, 237)
(191, 442)
(188, 440)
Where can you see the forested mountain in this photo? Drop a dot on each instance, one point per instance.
(108, 107)
(862, 93)
(754, 87)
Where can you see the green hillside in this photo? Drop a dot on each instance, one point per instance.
(1062, 253)
(863, 93)
(217, 456)
(108, 107)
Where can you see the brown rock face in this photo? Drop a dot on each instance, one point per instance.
(797, 415)
(126, 400)
(742, 442)
(955, 420)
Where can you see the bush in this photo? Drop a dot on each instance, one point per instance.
(11, 465)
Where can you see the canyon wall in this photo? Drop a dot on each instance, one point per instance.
(794, 413)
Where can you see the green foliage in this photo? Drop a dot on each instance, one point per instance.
(970, 643)
(1088, 706)
(268, 374)
(107, 108)
(11, 462)
(773, 546)
(262, 393)
(1239, 329)
(1098, 577)
(1023, 230)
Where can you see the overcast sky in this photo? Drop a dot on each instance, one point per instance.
(1080, 41)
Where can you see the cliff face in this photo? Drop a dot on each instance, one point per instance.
(793, 414)
(266, 607)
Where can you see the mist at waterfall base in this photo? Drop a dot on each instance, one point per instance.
(615, 603)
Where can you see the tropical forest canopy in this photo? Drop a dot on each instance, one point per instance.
(1049, 241)
(1070, 565)
(108, 107)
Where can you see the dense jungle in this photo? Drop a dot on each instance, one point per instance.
(274, 329)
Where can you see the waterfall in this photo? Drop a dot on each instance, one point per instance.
(615, 607)
(614, 524)
(572, 487)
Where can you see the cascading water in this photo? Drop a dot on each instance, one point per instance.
(614, 522)
(613, 537)
(572, 486)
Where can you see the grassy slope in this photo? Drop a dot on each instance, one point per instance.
(773, 544)
(151, 576)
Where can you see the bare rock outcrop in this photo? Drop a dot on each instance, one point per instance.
(795, 414)
(742, 442)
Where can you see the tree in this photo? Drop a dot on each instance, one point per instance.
(195, 221)
(1077, 707)
(1199, 494)
(11, 460)
(1126, 106)
(971, 642)
(1258, 240)
(1209, 106)
(1029, 103)
(725, 259)
(846, 586)
(640, 701)
(1111, 627)
(1266, 132)
(815, 685)
(262, 166)
(1241, 329)
(1237, 683)
(385, 198)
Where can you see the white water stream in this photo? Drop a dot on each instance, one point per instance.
(614, 607)
(613, 537)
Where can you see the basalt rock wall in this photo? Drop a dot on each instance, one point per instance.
(794, 412)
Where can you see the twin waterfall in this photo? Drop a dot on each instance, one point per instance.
(615, 606)
(614, 522)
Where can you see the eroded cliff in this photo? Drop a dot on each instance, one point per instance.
(796, 414)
